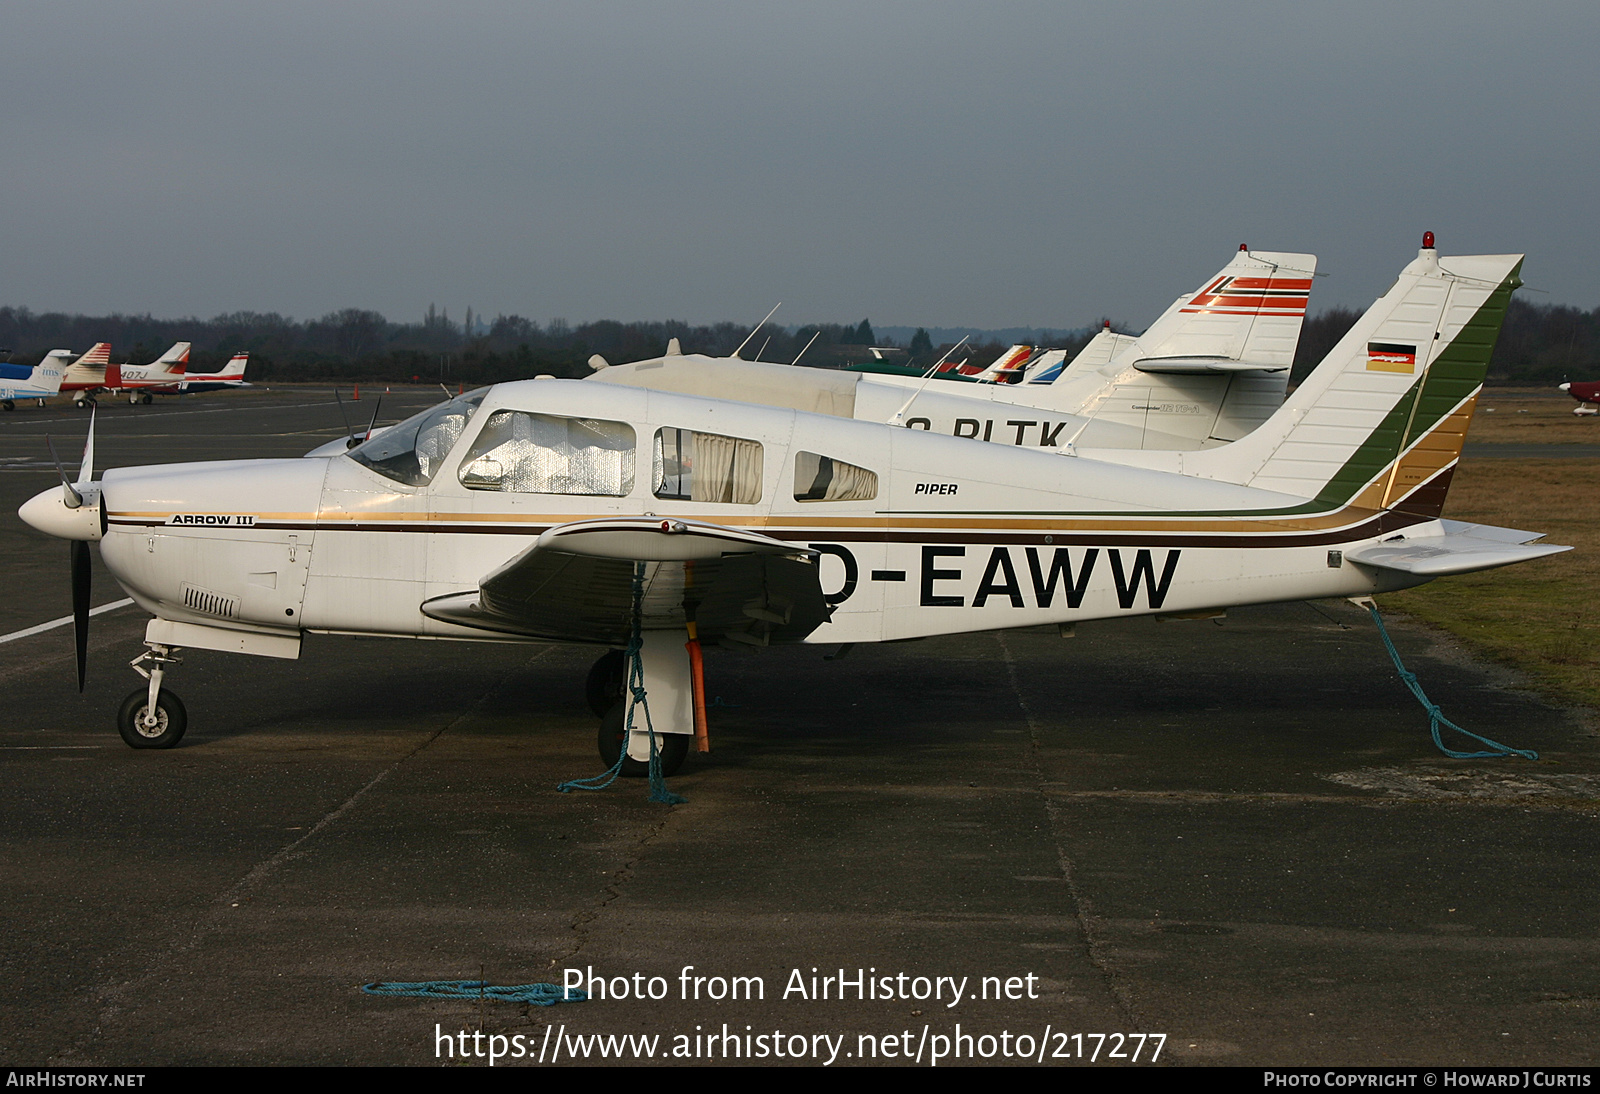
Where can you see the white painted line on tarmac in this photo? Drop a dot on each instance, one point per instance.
(62, 622)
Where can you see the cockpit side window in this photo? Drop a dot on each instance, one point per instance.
(693, 466)
(823, 478)
(412, 451)
(542, 454)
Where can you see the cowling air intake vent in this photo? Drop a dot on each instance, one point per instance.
(204, 600)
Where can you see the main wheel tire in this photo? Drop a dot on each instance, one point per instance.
(8, 404)
(603, 688)
(672, 748)
(171, 720)
(144, 400)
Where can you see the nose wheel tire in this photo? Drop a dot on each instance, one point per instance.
(170, 721)
(672, 748)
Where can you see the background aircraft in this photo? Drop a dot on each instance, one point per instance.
(1587, 393)
(231, 375)
(615, 516)
(1207, 372)
(87, 374)
(93, 374)
(39, 381)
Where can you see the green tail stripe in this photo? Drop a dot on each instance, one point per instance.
(1456, 373)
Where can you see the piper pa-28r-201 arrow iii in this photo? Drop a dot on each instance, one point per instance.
(614, 516)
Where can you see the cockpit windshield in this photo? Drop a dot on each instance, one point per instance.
(412, 451)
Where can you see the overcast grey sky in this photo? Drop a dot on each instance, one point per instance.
(985, 164)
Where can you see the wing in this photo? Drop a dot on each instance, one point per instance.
(576, 584)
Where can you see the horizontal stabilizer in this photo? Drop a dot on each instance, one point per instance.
(1201, 366)
(1460, 549)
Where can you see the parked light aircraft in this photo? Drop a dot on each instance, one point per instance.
(1587, 392)
(231, 375)
(570, 511)
(87, 374)
(39, 381)
(1212, 368)
(93, 374)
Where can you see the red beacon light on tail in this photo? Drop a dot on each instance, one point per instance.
(1427, 241)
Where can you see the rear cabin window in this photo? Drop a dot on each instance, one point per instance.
(823, 478)
(527, 453)
(693, 466)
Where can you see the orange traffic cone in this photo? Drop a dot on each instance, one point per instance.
(356, 398)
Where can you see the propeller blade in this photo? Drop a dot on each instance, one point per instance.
(69, 497)
(86, 469)
(80, 603)
(348, 432)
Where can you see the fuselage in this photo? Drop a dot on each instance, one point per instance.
(934, 535)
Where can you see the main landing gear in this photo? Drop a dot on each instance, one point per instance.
(606, 690)
(152, 717)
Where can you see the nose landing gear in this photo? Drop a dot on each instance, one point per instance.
(152, 717)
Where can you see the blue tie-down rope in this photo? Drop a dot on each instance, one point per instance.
(1435, 715)
(635, 699)
(539, 995)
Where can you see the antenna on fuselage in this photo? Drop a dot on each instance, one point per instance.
(349, 433)
(899, 415)
(802, 353)
(757, 327)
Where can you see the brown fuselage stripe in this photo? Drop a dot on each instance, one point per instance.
(1381, 524)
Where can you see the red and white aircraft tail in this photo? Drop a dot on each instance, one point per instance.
(167, 369)
(233, 370)
(1008, 368)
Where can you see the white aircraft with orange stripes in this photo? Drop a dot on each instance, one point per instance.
(93, 375)
(652, 522)
(1212, 368)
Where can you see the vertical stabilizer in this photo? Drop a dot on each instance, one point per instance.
(1007, 368)
(177, 355)
(99, 356)
(48, 373)
(1251, 311)
(1381, 421)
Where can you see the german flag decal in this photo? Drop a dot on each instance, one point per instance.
(1391, 357)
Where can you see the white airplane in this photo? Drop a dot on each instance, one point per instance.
(231, 375)
(93, 374)
(619, 517)
(87, 374)
(40, 381)
(141, 382)
(1212, 368)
